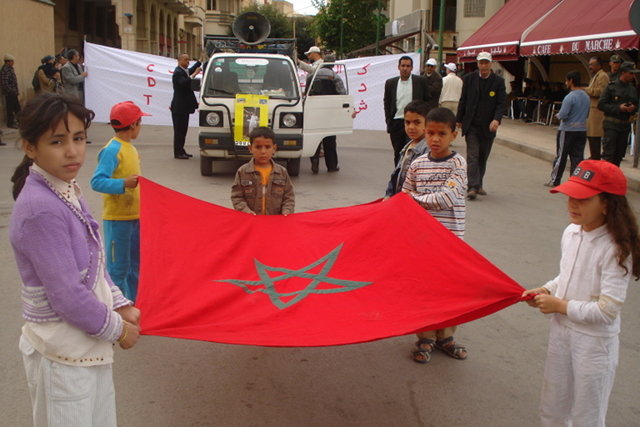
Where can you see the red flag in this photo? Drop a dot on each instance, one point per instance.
(328, 277)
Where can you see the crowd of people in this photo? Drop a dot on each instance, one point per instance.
(62, 73)
(601, 113)
(477, 100)
(532, 102)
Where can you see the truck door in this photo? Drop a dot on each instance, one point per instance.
(326, 115)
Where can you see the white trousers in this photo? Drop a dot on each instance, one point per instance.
(578, 378)
(68, 396)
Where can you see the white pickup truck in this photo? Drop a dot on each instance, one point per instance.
(299, 122)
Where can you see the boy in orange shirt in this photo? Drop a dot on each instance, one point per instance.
(262, 187)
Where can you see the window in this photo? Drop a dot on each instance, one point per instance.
(474, 8)
(73, 16)
(250, 75)
(449, 16)
(212, 4)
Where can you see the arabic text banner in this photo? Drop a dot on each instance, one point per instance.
(117, 75)
(366, 84)
(328, 277)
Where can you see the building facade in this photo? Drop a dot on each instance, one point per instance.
(284, 7)
(159, 27)
(413, 24)
(22, 18)
(220, 15)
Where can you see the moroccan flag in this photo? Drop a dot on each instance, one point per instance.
(329, 277)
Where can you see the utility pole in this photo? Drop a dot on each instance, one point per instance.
(378, 28)
(441, 31)
(341, 28)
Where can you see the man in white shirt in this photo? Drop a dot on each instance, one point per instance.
(451, 89)
(398, 92)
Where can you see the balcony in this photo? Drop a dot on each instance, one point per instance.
(178, 6)
(196, 18)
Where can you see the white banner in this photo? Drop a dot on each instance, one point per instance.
(116, 75)
(366, 85)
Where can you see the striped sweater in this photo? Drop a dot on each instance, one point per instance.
(440, 186)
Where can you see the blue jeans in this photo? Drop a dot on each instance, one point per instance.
(122, 246)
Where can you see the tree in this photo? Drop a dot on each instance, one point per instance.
(304, 39)
(359, 19)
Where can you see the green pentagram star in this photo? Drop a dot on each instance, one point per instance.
(266, 284)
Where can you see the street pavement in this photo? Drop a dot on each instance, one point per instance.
(172, 382)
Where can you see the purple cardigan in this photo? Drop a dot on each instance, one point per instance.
(57, 249)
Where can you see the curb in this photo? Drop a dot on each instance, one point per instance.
(633, 183)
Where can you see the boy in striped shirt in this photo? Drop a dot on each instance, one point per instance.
(437, 180)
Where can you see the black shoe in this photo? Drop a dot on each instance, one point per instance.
(315, 163)
(336, 169)
(187, 154)
(181, 157)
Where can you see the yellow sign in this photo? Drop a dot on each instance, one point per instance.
(251, 111)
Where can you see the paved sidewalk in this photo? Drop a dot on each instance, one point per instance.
(540, 141)
(8, 135)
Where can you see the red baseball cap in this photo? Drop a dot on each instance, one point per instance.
(125, 113)
(593, 177)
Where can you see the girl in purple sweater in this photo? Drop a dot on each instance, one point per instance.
(73, 312)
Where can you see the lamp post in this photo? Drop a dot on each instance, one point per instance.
(441, 30)
(378, 27)
(341, 27)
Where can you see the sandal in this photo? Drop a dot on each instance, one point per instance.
(449, 346)
(423, 354)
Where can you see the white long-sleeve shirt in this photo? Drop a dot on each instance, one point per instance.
(310, 68)
(591, 280)
(451, 88)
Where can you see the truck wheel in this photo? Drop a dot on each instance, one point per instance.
(293, 167)
(206, 166)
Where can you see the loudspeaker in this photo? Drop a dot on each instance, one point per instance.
(251, 28)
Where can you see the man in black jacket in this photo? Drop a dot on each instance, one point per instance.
(183, 104)
(481, 107)
(434, 83)
(398, 92)
(619, 101)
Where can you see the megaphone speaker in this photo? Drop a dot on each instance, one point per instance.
(251, 28)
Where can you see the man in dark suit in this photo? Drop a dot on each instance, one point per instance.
(480, 111)
(398, 92)
(183, 104)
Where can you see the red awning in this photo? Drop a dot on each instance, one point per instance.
(581, 26)
(501, 34)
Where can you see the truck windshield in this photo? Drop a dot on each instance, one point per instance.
(273, 77)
